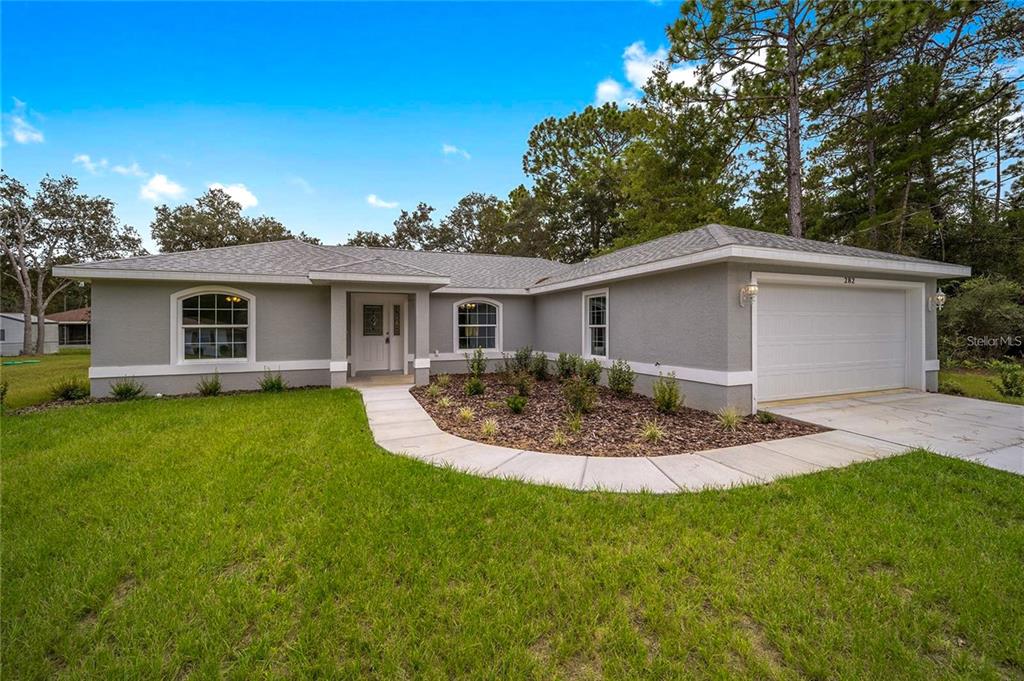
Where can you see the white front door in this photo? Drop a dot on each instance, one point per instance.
(378, 332)
(828, 340)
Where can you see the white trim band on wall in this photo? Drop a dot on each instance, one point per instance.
(340, 366)
(197, 369)
(931, 365)
(421, 363)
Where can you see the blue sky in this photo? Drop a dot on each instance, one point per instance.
(312, 107)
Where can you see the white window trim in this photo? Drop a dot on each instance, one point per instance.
(178, 338)
(587, 295)
(499, 329)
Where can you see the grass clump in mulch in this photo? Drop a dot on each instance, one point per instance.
(615, 424)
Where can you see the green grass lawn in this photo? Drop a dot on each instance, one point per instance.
(975, 383)
(266, 535)
(29, 384)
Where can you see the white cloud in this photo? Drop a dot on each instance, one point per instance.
(302, 184)
(18, 126)
(638, 64)
(94, 167)
(452, 150)
(378, 202)
(132, 171)
(239, 192)
(160, 187)
(608, 90)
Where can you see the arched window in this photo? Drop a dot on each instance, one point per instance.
(476, 325)
(214, 325)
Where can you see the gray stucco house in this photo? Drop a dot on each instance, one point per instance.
(738, 316)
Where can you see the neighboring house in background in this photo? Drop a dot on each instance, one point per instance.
(739, 316)
(75, 327)
(12, 333)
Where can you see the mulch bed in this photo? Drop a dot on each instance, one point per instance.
(611, 429)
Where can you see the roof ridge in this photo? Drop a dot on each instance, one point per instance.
(720, 233)
(213, 248)
(383, 259)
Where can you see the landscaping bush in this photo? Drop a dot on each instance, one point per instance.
(574, 422)
(4, 386)
(522, 383)
(474, 386)
(539, 366)
(667, 399)
(559, 439)
(272, 382)
(466, 414)
(621, 377)
(580, 395)
(516, 403)
(209, 386)
(433, 391)
(70, 388)
(477, 363)
(590, 371)
(521, 361)
(766, 417)
(729, 418)
(445, 402)
(567, 365)
(443, 380)
(127, 389)
(947, 387)
(1010, 382)
(651, 431)
(489, 429)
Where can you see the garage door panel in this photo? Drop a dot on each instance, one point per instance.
(816, 340)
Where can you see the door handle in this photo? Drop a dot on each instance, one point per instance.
(387, 339)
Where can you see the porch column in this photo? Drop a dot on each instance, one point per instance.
(421, 365)
(339, 336)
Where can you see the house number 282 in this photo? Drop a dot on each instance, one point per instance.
(849, 280)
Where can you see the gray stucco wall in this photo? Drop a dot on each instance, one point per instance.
(131, 322)
(517, 326)
(180, 385)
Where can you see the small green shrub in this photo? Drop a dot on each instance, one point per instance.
(539, 366)
(272, 382)
(590, 371)
(579, 395)
(489, 429)
(433, 391)
(443, 380)
(559, 439)
(729, 418)
(127, 388)
(667, 399)
(70, 388)
(466, 414)
(522, 360)
(516, 403)
(650, 431)
(444, 402)
(474, 386)
(1010, 382)
(766, 417)
(948, 387)
(4, 386)
(567, 365)
(476, 363)
(621, 377)
(574, 422)
(522, 383)
(209, 386)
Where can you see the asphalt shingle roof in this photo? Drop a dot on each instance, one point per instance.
(468, 270)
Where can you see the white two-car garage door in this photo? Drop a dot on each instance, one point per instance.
(827, 340)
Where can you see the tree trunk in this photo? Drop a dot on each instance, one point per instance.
(40, 316)
(26, 307)
(999, 169)
(794, 168)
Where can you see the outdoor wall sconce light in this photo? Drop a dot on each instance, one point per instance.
(936, 300)
(747, 293)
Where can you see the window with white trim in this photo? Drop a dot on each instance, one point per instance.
(477, 325)
(215, 326)
(596, 310)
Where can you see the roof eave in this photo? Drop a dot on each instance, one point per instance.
(94, 273)
(361, 278)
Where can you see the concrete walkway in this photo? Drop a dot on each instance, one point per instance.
(989, 433)
(401, 425)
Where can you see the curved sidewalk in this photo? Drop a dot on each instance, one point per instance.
(402, 426)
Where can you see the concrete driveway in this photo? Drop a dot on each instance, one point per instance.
(990, 433)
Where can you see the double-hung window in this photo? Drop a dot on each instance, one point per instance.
(595, 336)
(476, 325)
(215, 326)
